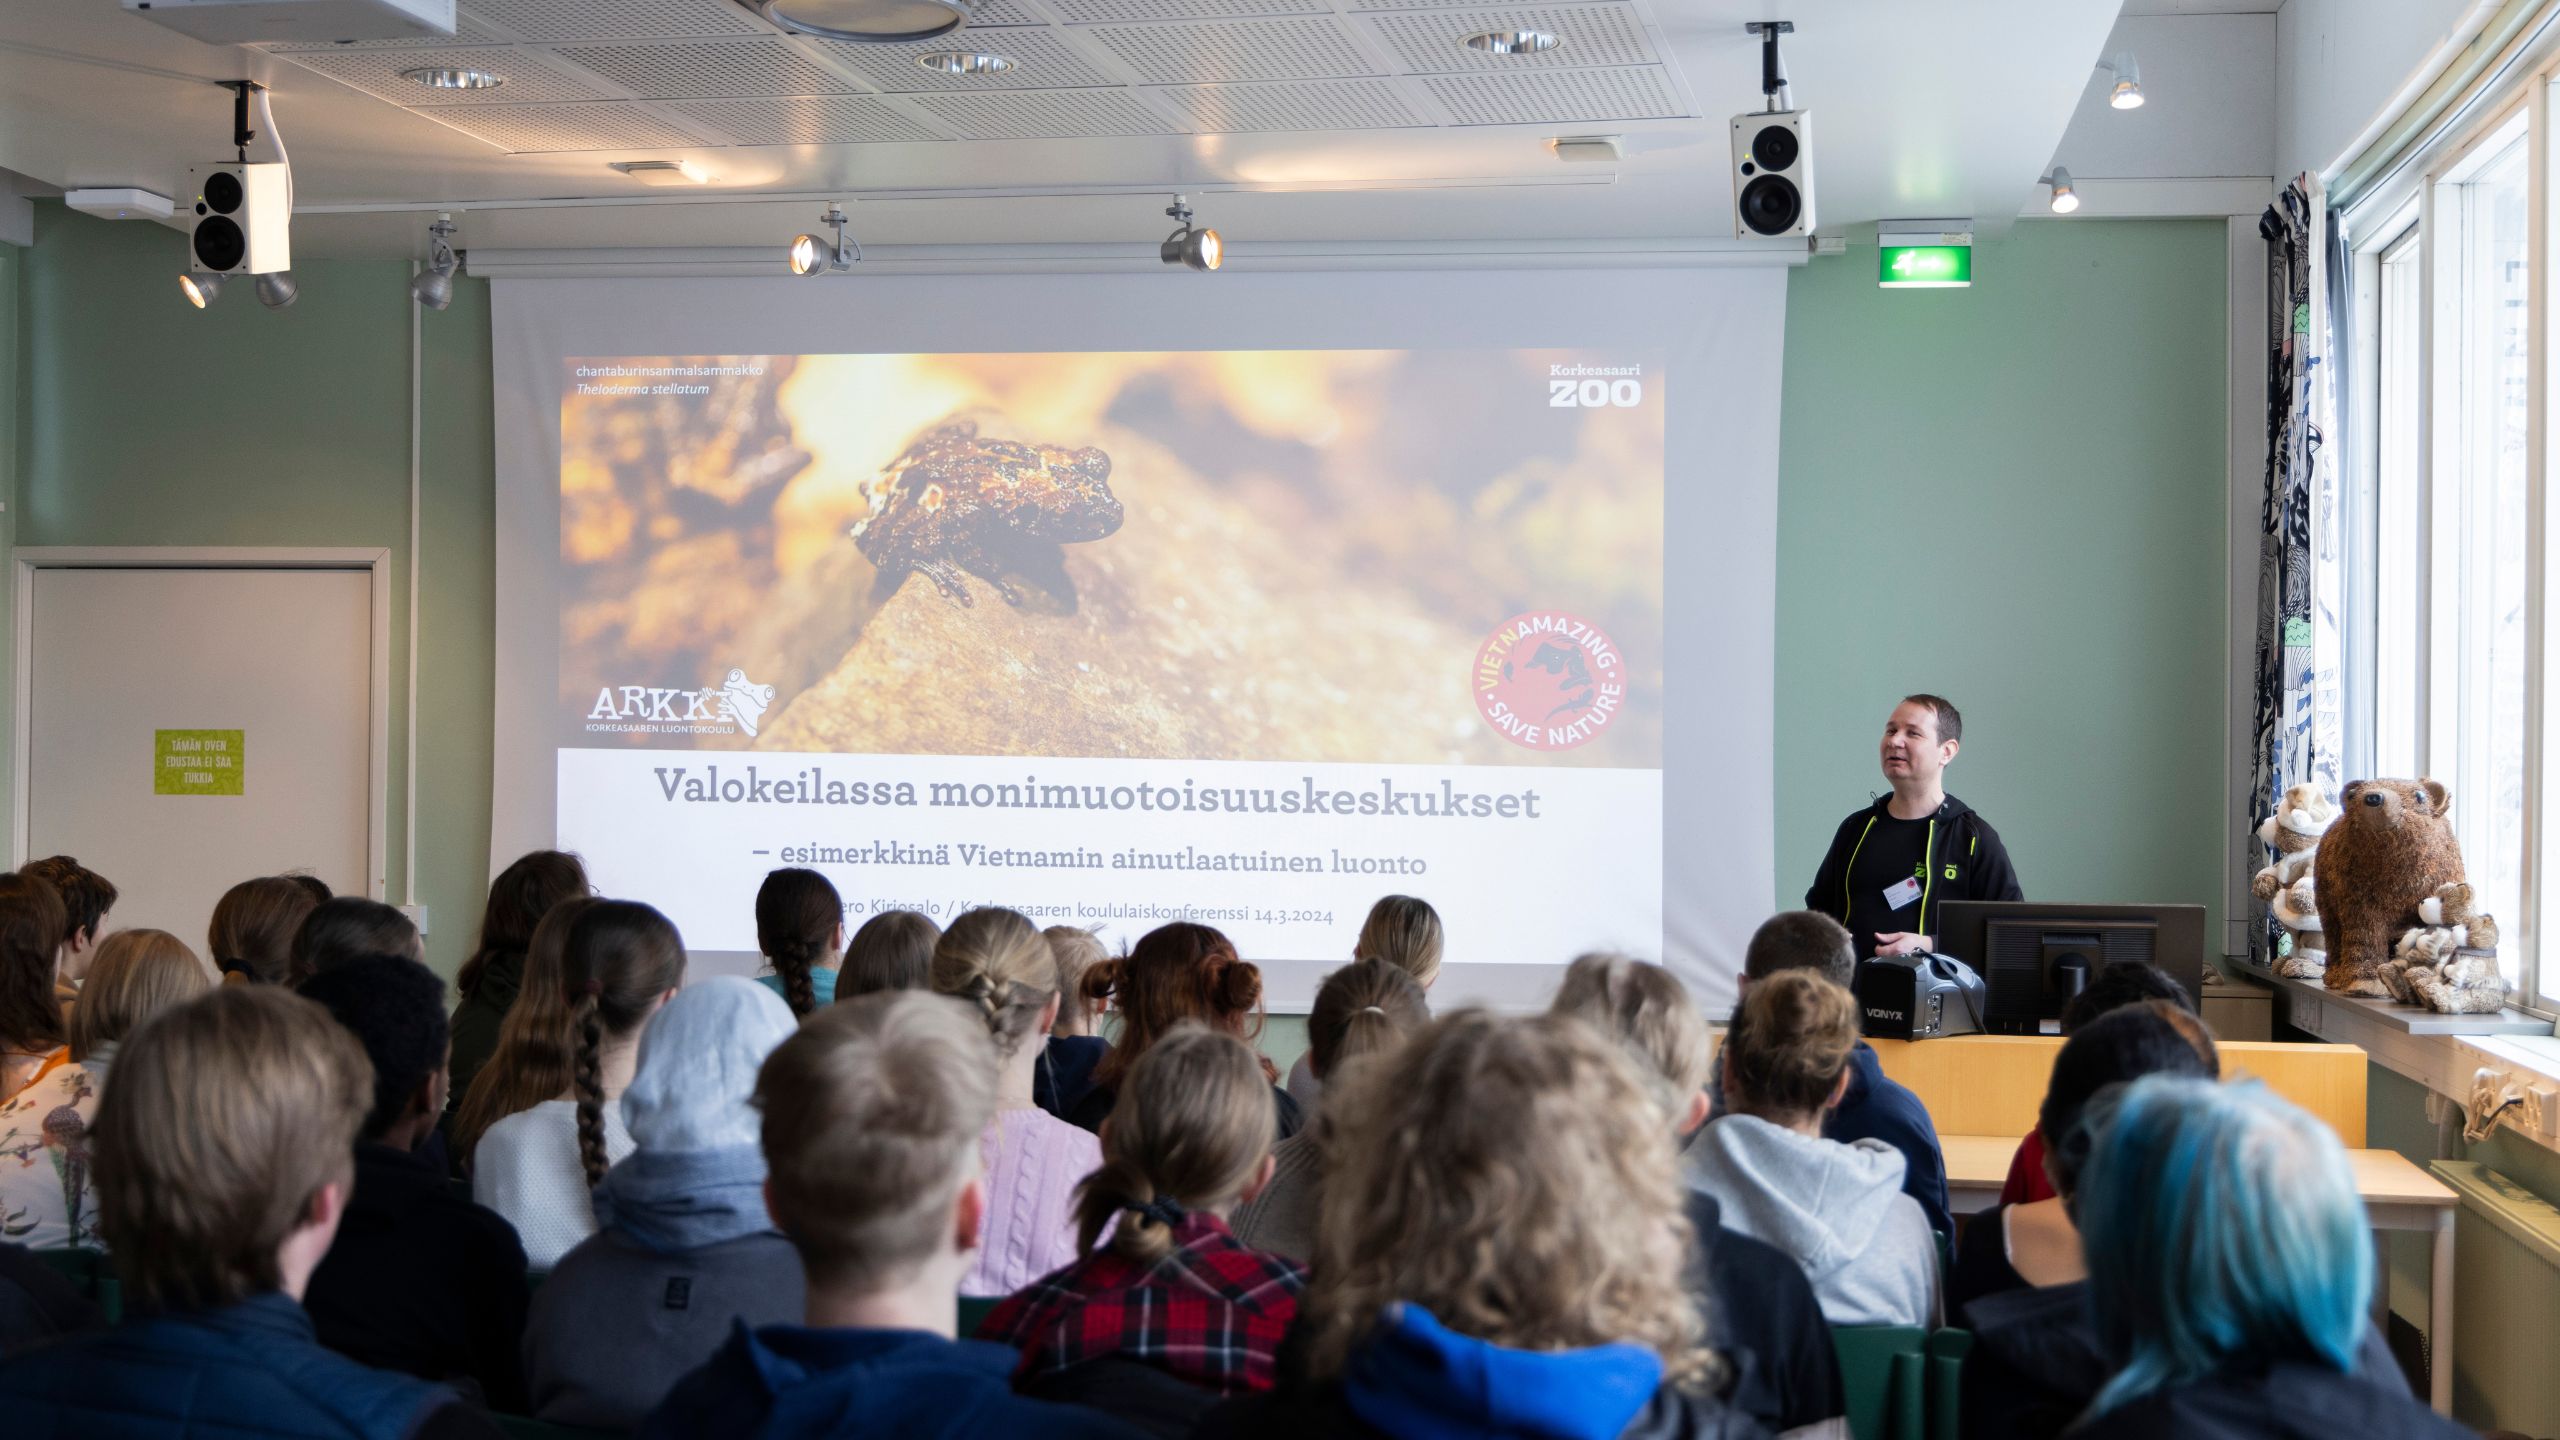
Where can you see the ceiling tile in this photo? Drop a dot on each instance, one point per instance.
(466, 31)
(597, 125)
(1003, 12)
(1293, 105)
(1043, 60)
(710, 69)
(1086, 12)
(579, 20)
(1434, 42)
(1555, 96)
(802, 120)
(1201, 51)
(1044, 114)
(377, 73)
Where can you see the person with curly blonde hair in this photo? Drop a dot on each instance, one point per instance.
(1504, 1205)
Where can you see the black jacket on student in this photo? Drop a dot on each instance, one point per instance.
(1950, 855)
(1762, 1317)
(422, 1281)
(2287, 1401)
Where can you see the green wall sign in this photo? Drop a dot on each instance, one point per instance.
(1924, 267)
(197, 762)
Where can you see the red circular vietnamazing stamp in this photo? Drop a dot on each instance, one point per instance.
(1547, 680)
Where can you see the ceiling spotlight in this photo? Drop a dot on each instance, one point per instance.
(2126, 93)
(433, 286)
(964, 62)
(1513, 42)
(1198, 247)
(200, 290)
(871, 20)
(816, 255)
(276, 289)
(2065, 199)
(454, 77)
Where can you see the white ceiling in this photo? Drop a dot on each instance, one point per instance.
(1311, 121)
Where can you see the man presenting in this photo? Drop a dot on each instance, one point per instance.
(1894, 862)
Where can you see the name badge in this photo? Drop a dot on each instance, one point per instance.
(1902, 892)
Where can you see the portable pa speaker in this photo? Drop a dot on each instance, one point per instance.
(1773, 173)
(243, 219)
(1918, 997)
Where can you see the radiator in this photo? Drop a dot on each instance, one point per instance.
(2506, 1298)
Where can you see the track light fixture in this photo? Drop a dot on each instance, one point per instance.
(2065, 199)
(815, 255)
(1198, 247)
(200, 290)
(276, 289)
(433, 286)
(2126, 93)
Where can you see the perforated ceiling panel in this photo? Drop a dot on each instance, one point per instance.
(1042, 60)
(607, 125)
(616, 19)
(1044, 114)
(466, 31)
(1234, 50)
(802, 120)
(1293, 105)
(1004, 12)
(1555, 95)
(377, 73)
(711, 69)
(1434, 42)
(1088, 12)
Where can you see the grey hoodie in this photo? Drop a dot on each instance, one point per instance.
(1838, 1208)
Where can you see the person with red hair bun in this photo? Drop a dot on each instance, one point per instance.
(1175, 973)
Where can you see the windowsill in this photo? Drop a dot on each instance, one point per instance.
(2407, 1019)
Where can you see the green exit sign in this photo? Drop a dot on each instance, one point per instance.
(1924, 267)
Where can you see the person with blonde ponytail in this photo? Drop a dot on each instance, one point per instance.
(1075, 1047)
(1836, 1206)
(995, 962)
(1402, 931)
(1164, 1284)
(800, 929)
(1362, 1010)
(620, 962)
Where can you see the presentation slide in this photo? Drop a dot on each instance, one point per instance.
(1248, 638)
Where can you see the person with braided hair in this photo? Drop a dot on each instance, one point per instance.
(620, 962)
(1164, 1285)
(1002, 968)
(1175, 973)
(800, 929)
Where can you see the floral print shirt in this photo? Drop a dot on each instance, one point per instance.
(47, 1200)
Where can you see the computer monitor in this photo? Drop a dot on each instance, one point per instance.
(2034, 956)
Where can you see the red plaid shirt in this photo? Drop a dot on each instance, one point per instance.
(1211, 1312)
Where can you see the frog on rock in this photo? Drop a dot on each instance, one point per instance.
(957, 502)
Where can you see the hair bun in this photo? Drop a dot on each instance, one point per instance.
(1102, 979)
(1238, 986)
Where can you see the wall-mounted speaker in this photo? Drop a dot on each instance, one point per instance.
(242, 219)
(1773, 173)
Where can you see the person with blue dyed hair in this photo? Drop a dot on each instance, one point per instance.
(2229, 1271)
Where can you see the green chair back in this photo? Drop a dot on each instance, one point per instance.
(1883, 1379)
(93, 1275)
(972, 1312)
(1945, 1363)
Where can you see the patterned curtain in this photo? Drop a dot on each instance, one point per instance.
(2297, 735)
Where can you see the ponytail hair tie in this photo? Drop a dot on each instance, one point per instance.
(1373, 1010)
(592, 987)
(1164, 1210)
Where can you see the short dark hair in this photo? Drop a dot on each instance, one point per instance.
(2117, 1048)
(1802, 940)
(394, 1006)
(341, 929)
(86, 895)
(1942, 711)
(2118, 984)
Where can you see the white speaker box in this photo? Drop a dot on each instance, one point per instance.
(1773, 173)
(242, 218)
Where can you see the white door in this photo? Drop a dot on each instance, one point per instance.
(282, 657)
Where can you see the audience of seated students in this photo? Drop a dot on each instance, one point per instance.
(32, 1025)
(1542, 1296)
(1175, 973)
(347, 927)
(490, 980)
(2230, 1272)
(620, 961)
(420, 1280)
(1875, 1106)
(2019, 1275)
(537, 1051)
(686, 1249)
(1067, 1062)
(254, 923)
(1362, 1010)
(48, 1175)
(38, 1306)
(2116, 985)
(872, 1116)
(892, 950)
(800, 930)
(1837, 1207)
(86, 898)
(1780, 1367)
(1164, 1288)
(996, 962)
(225, 1153)
(1404, 932)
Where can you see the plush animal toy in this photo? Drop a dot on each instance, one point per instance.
(2391, 849)
(2439, 963)
(2292, 836)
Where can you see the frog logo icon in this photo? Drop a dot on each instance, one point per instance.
(743, 700)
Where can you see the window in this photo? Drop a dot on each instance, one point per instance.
(2398, 659)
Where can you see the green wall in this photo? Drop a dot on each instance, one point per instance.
(2013, 495)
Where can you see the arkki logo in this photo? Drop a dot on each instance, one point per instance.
(735, 706)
